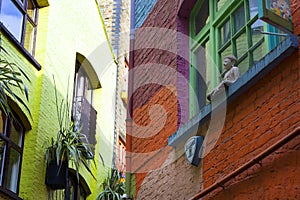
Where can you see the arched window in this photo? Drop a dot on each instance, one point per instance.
(84, 114)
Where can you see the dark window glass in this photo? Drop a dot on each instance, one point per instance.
(202, 17)
(13, 170)
(239, 19)
(84, 114)
(76, 191)
(225, 32)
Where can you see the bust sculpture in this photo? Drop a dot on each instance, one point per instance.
(232, 73)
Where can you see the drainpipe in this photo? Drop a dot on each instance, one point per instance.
(253, 161)
(129, 120)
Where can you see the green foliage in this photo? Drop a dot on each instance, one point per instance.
(68, 144)
(113, 186)
(11, 77)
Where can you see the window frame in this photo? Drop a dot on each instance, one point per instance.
(23, 8)
(78, 191)
(9, 144)
(212, 32)
(80, 72)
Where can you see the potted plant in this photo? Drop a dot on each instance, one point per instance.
(66, 148)
(113, 186)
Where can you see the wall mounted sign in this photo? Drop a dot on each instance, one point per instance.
(276, 12)
(192, 149)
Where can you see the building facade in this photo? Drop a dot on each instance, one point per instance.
(241, 144)
(62, 42)
(116, 19)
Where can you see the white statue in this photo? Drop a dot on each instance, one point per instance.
(232, 73)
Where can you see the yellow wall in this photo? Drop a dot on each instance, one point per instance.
(64, 29)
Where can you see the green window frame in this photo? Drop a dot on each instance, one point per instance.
(226, 28)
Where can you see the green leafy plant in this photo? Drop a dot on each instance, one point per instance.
(11, 77)
(68, 144)
(113, 186)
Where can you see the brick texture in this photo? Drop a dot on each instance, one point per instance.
(258, 118)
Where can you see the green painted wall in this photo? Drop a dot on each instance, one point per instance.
(64, 29)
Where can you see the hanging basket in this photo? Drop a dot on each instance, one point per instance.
(56, 175)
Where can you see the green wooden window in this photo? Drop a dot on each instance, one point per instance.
(220, 28)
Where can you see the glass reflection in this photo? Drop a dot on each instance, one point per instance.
(16, 133)
(13, 170)
(12, 18)
(2, 153)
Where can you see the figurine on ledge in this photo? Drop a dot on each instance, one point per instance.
(232, 73)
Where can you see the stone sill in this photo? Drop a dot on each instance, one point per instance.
(246, 81)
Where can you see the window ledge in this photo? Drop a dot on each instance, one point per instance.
(255, 73)
(23, 51)
(9, 194)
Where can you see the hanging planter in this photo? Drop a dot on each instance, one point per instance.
(67, 148)
(56, 175)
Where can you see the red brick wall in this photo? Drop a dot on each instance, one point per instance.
(257, 119)
(295, 7)
(155, 104)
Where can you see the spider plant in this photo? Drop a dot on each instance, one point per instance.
(113, 186)
(68, 144)
(11, 79)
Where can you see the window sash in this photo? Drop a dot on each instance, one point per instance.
(17, 16)
(228, 35)
(11, 154)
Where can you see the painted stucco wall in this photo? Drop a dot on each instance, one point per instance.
(64, 29)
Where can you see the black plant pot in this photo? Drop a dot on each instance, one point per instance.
(56, 175)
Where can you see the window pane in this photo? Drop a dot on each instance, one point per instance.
(2, 153)
(253, 7)
(241, 44)
(220, 4)
(21, 1)
(13, 170)
(203, 79)
(31, 9)
(12, 18)
(202, 17)
(259, 52)
(16, 134)
(29, 37)
(239, 18)
(225, 32)
(256, 27)
(226, 52)
(244, 65)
